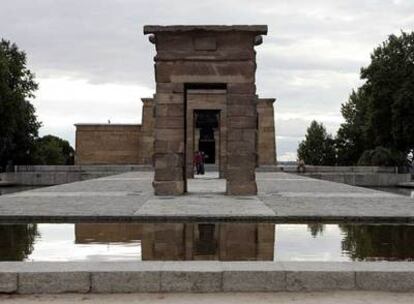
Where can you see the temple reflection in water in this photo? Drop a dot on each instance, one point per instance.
(205, 241)
(178, 241)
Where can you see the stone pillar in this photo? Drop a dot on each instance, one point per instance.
(266, 145)
(241, 140)
(169, 143)
(265, 241)
(147, 138)
(217, 146)
(163, 242)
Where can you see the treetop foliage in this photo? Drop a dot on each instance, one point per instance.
(52, 150)
(19, 142)
(318, 146)
(379, 116)
(18, 122)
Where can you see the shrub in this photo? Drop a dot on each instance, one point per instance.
(381, 156)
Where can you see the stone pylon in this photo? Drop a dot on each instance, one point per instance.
(205, 58)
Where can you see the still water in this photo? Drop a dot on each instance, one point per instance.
(205, 241)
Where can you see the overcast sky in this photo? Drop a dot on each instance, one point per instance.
(93, 62)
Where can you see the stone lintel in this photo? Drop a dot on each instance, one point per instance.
(256, 29)
(206, 91)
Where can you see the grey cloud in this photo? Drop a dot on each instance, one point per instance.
(286, 146)
(296, 127)
(285, 62)
(103, 40)
(310, 60)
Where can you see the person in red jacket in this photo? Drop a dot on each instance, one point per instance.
(198, 160)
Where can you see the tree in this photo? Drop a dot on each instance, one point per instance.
(316, 229)
(17, 240)
(381, 156)
(351, 138)
(403, 117)
(52, 150)
(389, 83)
(378, 242)
(318, 148)
(18, 122)
(381, 112)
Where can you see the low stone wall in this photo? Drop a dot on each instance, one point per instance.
(268, 168)
(56, 175)
(341, 169)
(203, 276)
(365, 176)
(363, 179)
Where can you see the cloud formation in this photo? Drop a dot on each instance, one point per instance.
(93, 62)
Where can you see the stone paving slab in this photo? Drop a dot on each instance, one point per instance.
(282, 198)
(205, 205)
(300, 198)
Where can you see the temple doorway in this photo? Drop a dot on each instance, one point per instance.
(205, 130)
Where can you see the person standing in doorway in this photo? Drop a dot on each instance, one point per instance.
(203, 159)
(197, 161)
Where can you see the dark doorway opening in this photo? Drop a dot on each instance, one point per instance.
(208, 148)
(207, 122)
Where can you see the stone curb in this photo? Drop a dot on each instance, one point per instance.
(203, 276)
(282, 219)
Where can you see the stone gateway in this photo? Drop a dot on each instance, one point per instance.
(205, 100)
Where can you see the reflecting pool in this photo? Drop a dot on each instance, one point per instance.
(205, 241)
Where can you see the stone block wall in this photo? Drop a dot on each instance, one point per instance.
(117, 144)
(107, 144)
(93, 141)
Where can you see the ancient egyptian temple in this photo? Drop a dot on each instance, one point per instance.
(205, 100)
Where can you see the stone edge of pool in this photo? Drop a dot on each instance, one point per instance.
(203, 276)
(282, 219)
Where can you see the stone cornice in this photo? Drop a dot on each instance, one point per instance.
(256, 29)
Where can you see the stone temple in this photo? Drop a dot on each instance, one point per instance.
(205, 100)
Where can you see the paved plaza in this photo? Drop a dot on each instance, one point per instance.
(282, 197)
